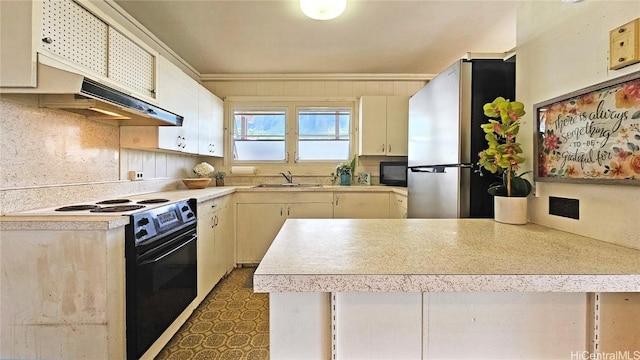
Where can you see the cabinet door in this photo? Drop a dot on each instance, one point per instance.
(258, 225)
(372, 125)
(131, 65)
(73, 33)
(310, 211)
(224, 251)
(217, 138)
(205, 120)
(378, 325)
(211, 125)
(397, 125)
(206, 242)
(361, 205)
(169, 93)
(178, 93)
(397, 206)
(18, 29)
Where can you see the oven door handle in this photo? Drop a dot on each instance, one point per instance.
(146, 262)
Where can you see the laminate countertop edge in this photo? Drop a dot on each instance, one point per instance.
(441, 255)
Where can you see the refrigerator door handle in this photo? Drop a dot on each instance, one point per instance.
(439, 168)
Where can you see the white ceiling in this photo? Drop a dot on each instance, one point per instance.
(372, 36)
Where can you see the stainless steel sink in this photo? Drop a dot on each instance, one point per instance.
(288, 185)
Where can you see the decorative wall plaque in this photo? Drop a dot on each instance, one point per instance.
(591, 135)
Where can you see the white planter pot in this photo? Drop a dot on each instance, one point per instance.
(510, 210)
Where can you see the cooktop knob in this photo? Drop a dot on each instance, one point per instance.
(144, 221)
(185, 208)
(142, 233)
(190, 215)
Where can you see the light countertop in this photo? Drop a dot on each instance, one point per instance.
(441, 255)
(33, 221)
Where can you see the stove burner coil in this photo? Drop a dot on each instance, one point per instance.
(120, 208)
(77, 207)
(153, 201)
(113, 201)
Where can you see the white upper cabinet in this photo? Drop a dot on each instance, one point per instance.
(70, 31)
(131, 65)
(177, 93)
(211, 124)
(70, 36)
(202, 127)
(383, 125)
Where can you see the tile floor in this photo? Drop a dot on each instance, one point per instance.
(232, 322)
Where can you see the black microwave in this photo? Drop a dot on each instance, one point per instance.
(393, 173)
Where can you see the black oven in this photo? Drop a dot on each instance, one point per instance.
(161, 271)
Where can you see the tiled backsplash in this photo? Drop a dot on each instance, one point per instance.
(52, 157)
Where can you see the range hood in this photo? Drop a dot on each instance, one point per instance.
(99, 102)
(62, 87)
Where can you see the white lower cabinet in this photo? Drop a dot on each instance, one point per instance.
(361, 205)
(458, 325)
(397, 206)
(258, 225)
(300, 326)
(378, 325)
(216, 245)
(505, 325)
(260, 217)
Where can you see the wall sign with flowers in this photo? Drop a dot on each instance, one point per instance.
(591, 135)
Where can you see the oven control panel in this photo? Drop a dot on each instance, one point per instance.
(162, 219)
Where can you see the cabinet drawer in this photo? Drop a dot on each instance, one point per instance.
(285, 196)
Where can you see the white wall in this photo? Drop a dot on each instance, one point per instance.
(318, 172)
(563, 47)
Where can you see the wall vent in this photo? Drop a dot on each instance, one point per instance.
(564, 207)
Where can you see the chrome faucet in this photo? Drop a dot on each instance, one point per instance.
(289, 178)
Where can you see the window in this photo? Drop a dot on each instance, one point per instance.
(259, 134)
(288, 131)
(323, 133)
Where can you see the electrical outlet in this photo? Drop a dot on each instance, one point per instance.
(136, 175)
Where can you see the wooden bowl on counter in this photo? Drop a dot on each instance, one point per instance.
(197, 183)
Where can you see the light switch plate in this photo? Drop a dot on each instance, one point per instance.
(624, 45)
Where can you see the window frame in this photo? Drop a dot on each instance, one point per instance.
(291, 105)
(326, 107)
(265, 108)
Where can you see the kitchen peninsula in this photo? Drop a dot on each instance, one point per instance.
(417, 288)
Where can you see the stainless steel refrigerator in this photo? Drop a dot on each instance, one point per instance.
(445, 138)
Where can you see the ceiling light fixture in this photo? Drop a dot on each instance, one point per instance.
(323, 9)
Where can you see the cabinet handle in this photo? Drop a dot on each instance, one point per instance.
(153, 91)
(288, 210)
(214, 206)
(215, 220)
(621, 59)
(382, 148)
(389, 148)
(337, 198)
(47, 40)
(281, 212)
(620, 31)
